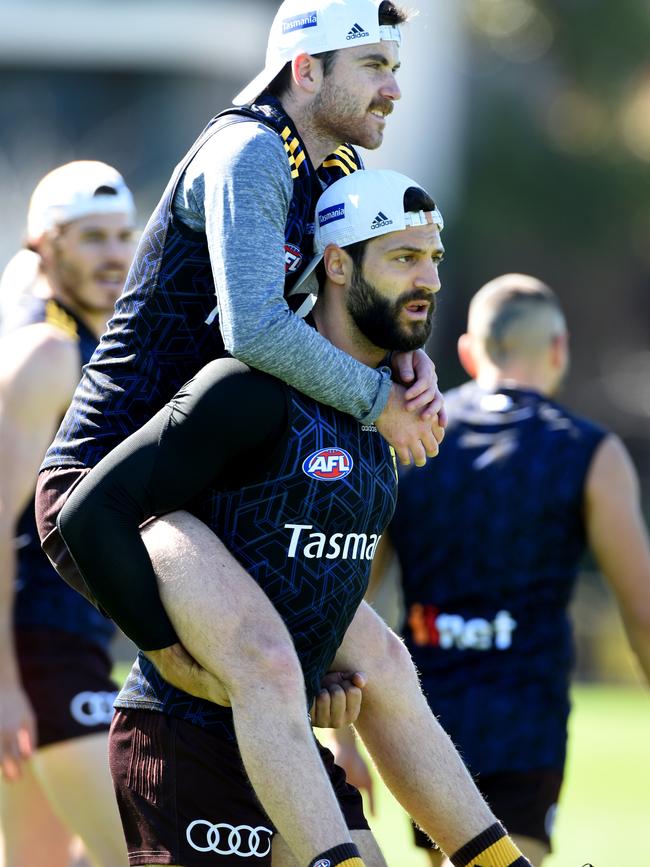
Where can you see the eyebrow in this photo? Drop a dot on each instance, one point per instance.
(380, 58)
(406, 248)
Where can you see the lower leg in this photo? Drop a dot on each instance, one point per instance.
(253, 655)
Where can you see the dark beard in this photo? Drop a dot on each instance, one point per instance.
(377, 319)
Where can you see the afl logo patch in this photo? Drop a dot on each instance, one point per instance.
(292, 258)
(328, 465)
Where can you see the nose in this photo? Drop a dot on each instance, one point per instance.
(390, 89)
(427, 277)
(119, 250)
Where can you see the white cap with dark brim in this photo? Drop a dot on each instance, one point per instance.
(312, 27)
(363, 205)
(76, 190)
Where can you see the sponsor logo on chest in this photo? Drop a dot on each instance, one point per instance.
(431, 627)
(316, 545)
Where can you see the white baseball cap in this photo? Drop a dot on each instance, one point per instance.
(314, 26)
(363, 205)
(76, 190)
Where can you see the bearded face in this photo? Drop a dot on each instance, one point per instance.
(403, 323)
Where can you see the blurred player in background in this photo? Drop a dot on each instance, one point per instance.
(55, 689)
(489, 538)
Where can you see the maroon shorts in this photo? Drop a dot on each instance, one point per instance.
(523, 801)
(53, 487)
(184, 796)
(67, 680)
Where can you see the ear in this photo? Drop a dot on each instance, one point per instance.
(44, 247)
(338, 265)
(466, 354)
(306, 72)
(560, 351)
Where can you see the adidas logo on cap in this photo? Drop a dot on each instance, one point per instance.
(357, 32)
(380, 221)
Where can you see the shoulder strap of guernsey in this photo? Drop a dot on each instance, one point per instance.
(344, 158)
(57, 315)
(269, 111)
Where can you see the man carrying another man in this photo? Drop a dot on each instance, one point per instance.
(301, 498)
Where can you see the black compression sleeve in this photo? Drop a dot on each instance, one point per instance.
(225, 413)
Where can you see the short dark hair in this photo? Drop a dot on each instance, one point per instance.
(415, 199)
(389, 14)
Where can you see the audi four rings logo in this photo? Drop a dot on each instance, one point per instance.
(225, 839)
(92, 708)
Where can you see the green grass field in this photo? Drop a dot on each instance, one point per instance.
(605, 804)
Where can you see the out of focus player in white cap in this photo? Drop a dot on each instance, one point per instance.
(55, 688)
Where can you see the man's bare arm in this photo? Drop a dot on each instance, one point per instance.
(619, 539)
(39, 370)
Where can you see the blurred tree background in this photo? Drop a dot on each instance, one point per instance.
(557, 183)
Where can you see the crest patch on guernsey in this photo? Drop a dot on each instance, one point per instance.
(292, 258)
(328, 465)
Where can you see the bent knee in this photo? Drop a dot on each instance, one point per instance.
(271, 657)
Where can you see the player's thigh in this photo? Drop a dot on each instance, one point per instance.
(202, 584)
(75, 776)
(32, 834)
(365, 841)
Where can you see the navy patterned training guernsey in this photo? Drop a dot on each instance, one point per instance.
(305, 525)
(490, 536)
(42, 599)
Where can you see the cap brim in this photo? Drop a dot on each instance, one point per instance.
(309, 270)
(257, 85)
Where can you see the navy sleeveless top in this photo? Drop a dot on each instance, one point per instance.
(490, 535)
